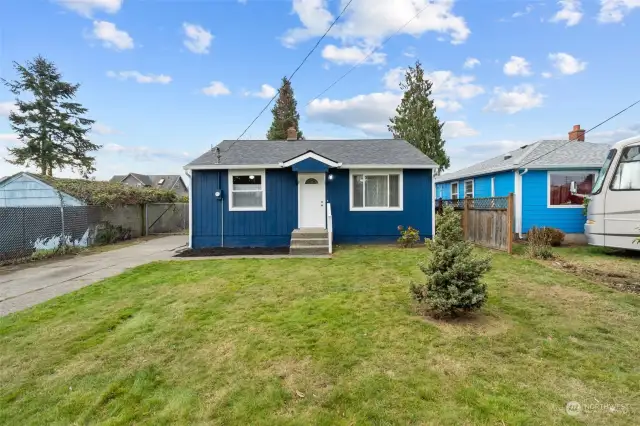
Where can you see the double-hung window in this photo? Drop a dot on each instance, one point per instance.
(454, 191)
(376, 190)
(247, 190)
(468, 188)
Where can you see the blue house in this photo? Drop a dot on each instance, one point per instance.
(539, 175)
(307, 194)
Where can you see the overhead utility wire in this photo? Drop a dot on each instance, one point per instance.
(296, 70)
(587, 131)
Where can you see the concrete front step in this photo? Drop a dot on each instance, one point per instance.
(297, 242)
(304, 233)
(309, 250)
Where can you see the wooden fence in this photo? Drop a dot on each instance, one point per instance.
(487, 222)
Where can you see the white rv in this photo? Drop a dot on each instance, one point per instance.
(613, 214)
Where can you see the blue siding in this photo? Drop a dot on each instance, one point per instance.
(535, 210)
(310, 165)
(273, 227)
(270, 228)
(371, 227)
(504, 184)
(482, 187)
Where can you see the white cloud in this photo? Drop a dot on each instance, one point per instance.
(570, 12)
(87, 7)
(613, 136)
(527, 10)
(547, 75)
(372, 22)
(266, 92)
(352, 55)
(198, 39)
(471, 63)
(369, 113)
(216, 88)
(519, 98)
(457, 129)
(6, 108)
(8, 137)
(410, 52)
(566, 63)
(612, 11)
(139, 77)
(143, 153)
(517, 65)
(111, 36)
(102, 129)
(448, 89)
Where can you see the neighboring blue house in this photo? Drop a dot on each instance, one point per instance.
(540, 177)
(260, 193)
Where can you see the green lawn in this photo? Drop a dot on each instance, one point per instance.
(320, 341)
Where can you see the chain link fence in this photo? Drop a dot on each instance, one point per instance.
(26, 230)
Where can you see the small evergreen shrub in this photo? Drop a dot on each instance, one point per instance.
(408, 237)
(452, 272)
(540, 241)
(109, 234)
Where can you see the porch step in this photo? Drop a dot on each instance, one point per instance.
(309, 250)
(309, 241)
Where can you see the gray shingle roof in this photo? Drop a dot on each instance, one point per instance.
(349, 152)
(151, 180)
(540, 155)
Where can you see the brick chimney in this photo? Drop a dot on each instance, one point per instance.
(292, 134)
(577, 134)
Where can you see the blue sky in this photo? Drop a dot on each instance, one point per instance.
(166, 79)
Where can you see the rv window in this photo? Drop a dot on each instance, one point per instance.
(597, 187)
(627, 176)
(560, 188)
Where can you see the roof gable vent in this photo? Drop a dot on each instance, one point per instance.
(507, 156)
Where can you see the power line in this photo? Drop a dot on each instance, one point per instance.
(587, 131)
(363, 60)
(296, 70)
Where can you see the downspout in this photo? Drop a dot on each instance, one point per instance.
(221, 209)
(519, 203)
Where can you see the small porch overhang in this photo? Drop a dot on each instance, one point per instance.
(310, 162)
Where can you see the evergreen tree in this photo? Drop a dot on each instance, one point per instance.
(416, 120)
(453, 274)
(51, 127)
(285, 113)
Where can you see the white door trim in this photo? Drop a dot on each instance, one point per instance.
(321, 178)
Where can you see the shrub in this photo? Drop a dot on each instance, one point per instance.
(408, 237)
(452, 272)
(540, 241)
(109, 234)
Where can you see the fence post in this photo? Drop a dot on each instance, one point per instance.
(510, 223)
(465, 219)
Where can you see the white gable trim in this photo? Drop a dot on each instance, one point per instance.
(313, 156)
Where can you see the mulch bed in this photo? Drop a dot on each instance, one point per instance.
(234, 251)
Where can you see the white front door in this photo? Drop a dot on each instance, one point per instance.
(311, 199)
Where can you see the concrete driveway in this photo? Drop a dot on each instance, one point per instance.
(30, 286)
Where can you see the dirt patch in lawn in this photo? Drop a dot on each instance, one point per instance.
(617, 279)
(234, 251)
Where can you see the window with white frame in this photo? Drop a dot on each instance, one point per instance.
(454, 191)
(247, 190)
(560, 187)
(376, 190)
(468, 188)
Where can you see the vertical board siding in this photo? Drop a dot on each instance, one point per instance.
(270, 228)
(504, 183)
(482, 187)
(310, 165)
(535, 211)
(381, 226)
